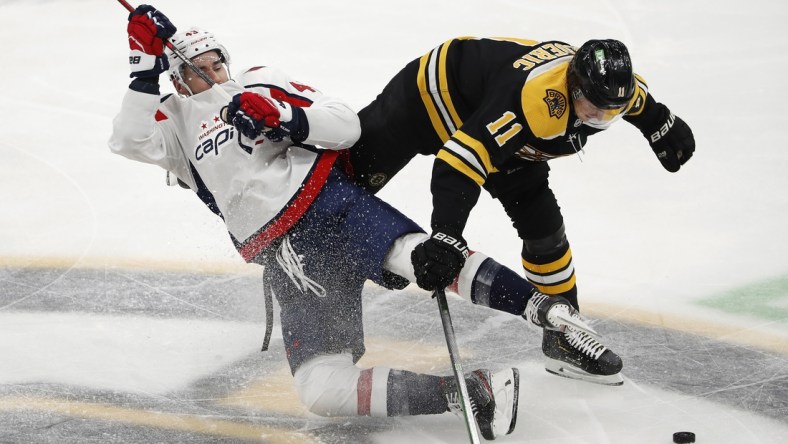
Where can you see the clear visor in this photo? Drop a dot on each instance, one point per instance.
(593, 116)
(208, 62)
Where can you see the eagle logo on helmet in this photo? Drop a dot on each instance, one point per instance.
(556, 103)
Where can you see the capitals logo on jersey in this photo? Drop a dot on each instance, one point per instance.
(213, 136)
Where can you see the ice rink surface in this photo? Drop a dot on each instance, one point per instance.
(126, 315)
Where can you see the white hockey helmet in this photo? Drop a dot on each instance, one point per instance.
(191, 43)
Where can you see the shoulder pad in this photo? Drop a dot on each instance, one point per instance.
(254, 68)
(277, 84)
(638, 101)
(545, 99)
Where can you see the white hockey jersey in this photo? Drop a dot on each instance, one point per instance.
(258, 187)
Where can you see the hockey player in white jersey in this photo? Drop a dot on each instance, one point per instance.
(265, 162)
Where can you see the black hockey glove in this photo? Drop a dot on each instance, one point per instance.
(670, 137)
(672, 142)
(438, 260)
(148, 28)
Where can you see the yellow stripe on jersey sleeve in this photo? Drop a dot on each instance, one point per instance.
(639, 98)
(435, 118)
(460, 166)
(642, 81)
(443, 85)
(478, 148)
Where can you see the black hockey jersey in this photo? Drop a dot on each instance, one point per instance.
(494, 103)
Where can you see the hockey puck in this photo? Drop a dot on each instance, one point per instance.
(683, 437)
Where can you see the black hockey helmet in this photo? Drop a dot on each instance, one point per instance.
(602, 71)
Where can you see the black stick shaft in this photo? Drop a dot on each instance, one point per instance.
(454, 354)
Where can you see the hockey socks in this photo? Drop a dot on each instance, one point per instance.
(416, 394)
(487, 283)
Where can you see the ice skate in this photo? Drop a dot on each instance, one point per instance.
(571, 347)
(493, 399)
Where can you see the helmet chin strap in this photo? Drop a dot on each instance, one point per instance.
(181, 85)
(187, 62)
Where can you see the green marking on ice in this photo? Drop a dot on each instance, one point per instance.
(765, 300)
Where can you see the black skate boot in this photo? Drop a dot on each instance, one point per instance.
(493, 399)
(570, 346)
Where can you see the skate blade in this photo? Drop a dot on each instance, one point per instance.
(515, 401)
(506, 391)
(565, 370)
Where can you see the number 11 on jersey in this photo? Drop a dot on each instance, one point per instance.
(501, 128)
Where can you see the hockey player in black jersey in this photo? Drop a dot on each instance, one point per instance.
(494, 111)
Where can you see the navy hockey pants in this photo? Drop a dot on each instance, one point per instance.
(317, 271)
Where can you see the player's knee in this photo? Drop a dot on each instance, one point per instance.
(398, 259)
(550, 244)
(470, 276)
(327, 385)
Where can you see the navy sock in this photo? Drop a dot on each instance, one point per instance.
(500, 288)
(415, 394)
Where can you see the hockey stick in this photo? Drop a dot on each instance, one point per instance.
(187, 61)
(269, 316)
(454, 354)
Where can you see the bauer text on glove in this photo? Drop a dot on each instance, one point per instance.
(672, 143)
(668, 135)
(438, 260)
(148, 28)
